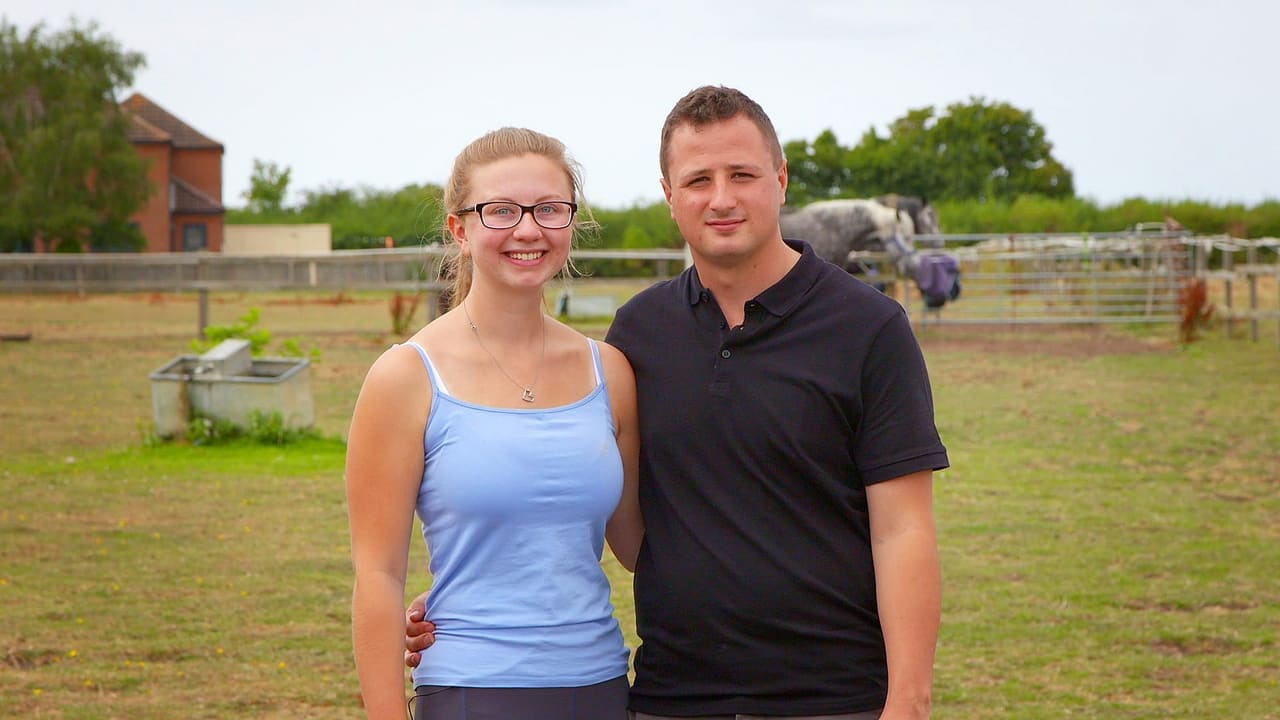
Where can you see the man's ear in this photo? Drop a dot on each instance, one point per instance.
(782, 179)
(666, 193)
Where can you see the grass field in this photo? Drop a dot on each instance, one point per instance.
(1110, 528)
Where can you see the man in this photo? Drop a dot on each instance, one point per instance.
(789, 567)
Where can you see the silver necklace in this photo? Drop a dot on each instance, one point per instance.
(526, 391)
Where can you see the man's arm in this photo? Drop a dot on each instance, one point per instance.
(904, 547)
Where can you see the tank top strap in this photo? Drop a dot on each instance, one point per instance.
(596, 364)
(437, 382)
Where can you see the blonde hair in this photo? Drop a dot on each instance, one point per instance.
(500, 144)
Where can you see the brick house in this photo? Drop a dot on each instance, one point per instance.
(184, 212)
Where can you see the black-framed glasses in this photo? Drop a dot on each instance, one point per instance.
(501, 215)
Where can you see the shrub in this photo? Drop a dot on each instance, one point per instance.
(263, 429)
(245, 328)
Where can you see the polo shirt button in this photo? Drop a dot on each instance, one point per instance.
(725, 353)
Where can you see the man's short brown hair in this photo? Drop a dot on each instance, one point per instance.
(712, 104)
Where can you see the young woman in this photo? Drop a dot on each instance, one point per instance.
(514, 438)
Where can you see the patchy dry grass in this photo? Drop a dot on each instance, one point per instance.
(1108, 527)
(1109, 531)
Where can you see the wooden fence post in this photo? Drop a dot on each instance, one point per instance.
(202, 318)
(1252, 260)
(1228, 267)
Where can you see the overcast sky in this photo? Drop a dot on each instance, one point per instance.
(1166, 100)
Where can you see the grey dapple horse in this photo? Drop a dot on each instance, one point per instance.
(839, 230)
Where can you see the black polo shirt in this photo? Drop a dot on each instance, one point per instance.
(755, 590)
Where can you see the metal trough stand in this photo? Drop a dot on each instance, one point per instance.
(227, 383)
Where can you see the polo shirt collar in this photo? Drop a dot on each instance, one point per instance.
(781, 297)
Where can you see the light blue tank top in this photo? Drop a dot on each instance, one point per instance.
(513, 504)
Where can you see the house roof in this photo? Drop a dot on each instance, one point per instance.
(155, 118)
(188, 199)
(141, 131)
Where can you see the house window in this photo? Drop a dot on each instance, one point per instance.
(194, 237)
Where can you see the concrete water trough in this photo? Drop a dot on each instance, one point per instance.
(585, 306)
(228, 383)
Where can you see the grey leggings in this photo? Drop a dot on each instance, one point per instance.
(868, 715)
(602, 701)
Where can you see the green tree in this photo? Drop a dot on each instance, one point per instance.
(994, 150)
(635, 237)
(979, 149)
(902, 163)
(68, 173)
(816, 170)
(361, 218)
(267, 187)
(654, 219)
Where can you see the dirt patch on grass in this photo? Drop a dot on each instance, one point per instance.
(20, 658)
(339, 298)
(1053, 341)
(1213, 608)
(1203, 645)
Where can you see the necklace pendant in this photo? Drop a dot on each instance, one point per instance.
(527, 395)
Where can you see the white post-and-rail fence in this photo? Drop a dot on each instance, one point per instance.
(1005, 279)
(414, 270)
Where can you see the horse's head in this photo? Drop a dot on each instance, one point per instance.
(926, 219)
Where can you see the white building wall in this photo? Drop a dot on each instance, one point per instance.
(315, 239)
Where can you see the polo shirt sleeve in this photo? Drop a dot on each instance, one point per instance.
(896, 435)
